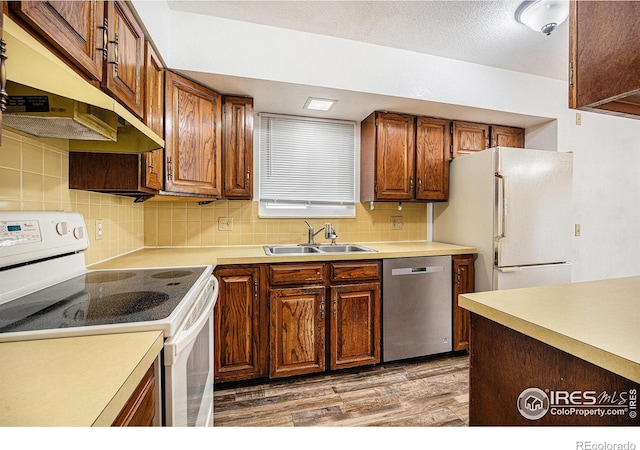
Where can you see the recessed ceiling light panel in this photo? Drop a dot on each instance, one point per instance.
(319, 104)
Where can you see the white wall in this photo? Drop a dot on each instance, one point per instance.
(606, 149)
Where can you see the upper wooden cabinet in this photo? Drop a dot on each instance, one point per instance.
(237, 147)
(507, 136)
(153, 91)
(471, 137)
(124, 71)
(193, 138)
(432, 158)
(604, 57)
(397, 164)
(76, 29)
(101, 39)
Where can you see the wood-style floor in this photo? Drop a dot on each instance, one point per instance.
(428, 392)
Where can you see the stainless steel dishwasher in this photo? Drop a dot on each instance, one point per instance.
(416, 307)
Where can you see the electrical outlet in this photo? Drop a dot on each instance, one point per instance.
(578, 119)
(99, 229)
(396, 222)
(225, 224)
(577, 229)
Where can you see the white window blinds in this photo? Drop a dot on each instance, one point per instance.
(306, 164)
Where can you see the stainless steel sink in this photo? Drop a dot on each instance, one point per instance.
(344, 248)
(273, 250)
(305, 249)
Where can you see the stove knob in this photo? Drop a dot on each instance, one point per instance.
(78, 233)
(61, 228)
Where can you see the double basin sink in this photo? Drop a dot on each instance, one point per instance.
(316, 249)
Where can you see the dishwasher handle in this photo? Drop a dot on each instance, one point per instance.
(417, 270)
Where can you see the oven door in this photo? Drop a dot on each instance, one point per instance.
(188, 364)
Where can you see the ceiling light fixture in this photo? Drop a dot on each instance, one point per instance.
(319, 104)
(542, 15)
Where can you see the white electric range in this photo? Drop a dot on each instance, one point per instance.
(46, 291)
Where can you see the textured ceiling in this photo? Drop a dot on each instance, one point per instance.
(483, 32)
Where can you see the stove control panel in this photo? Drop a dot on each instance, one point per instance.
(31, 235)
(19, 232)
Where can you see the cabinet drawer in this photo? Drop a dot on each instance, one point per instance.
(355, 270)
(282, 274)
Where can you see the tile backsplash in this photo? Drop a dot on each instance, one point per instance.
(188, 224)
(34, 175)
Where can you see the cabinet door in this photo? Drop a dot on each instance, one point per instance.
(124, 69)
(140, 409)
(604, 59)
(74, 28)
(3, 71)
(507, 136)
(193, 142)
(463, 283)
(297, 331)
(152, 166)
(237, 148)
(469, 137)
(153, 91)
(355, 325)
(395, 153)
(432, 158)
(240, 325)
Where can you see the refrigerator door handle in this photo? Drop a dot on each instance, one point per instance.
(509, 269)
(502, 198)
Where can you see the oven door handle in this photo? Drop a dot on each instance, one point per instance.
(187, 334)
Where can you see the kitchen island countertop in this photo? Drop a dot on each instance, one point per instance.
(75, 381)
(597, 321)
(254, 254)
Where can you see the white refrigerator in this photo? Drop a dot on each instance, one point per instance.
(514, 205)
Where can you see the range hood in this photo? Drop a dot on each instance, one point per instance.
(48, 99)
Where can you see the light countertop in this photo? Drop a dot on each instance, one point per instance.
(598, 321)
(253, 254)
(77, 381)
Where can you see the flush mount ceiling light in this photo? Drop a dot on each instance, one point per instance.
(319, 104)
(542, 15)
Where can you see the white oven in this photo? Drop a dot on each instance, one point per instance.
(48, 292)
(188, 361)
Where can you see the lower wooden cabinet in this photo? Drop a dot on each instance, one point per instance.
(355, 325)
(463, 283)
(240, 324)
(297, 331)
(140, 409)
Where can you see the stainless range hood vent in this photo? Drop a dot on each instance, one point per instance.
(49, 99)
(47, 115)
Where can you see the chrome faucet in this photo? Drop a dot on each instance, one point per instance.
(312, 233)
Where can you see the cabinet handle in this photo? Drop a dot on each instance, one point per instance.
(103, 49)
(150, 159)
(115, 54)
(322, 309)
(335, 305)
(169, 169)
(248, 176)
(3, 75)
(410, 183)
(255, 290)
(419, 184)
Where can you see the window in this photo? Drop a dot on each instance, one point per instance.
(307, 167)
